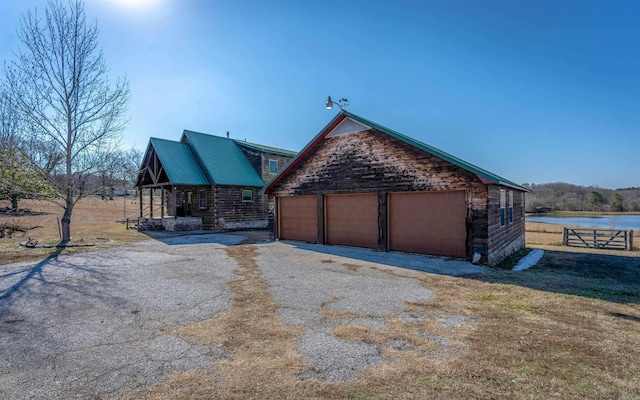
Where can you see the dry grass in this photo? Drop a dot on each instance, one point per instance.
(547, 235)
(523, 344)
(92, 219)
(569, 329)
(550, 339)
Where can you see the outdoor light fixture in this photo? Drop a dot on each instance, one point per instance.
(342, 103)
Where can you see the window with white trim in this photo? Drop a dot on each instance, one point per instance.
(247, 196)
(273, 166)
(202, 199)
(510, 206)
(503, 204)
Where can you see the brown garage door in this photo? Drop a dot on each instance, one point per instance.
(352, 219)
(428, 223)
(298, 218)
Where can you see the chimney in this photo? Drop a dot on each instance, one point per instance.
(227, 134)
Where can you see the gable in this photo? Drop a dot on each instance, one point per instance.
(167, 161)
(371, 161)
(346, 123)
(347, 126)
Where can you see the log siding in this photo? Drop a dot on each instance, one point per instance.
(504, 240)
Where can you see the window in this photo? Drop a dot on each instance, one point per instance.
(178, 199)
(510, 206)
(503, 203)
(247, 196)
(202, 199)
(273, 166)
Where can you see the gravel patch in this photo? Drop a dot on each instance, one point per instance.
(333, 359)
(396, 344)
(94, 323)
(306, 282)
(441, 340)
(451, 320)
(411, 317)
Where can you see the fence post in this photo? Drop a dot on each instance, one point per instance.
(630, 243)
(565, 237)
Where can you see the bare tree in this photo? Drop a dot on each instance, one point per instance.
(61, 88)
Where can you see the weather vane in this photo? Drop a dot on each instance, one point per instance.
(342, 103)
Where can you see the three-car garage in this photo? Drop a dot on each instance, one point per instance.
(416, 222)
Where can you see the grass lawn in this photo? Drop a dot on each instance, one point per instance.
(569, 328)
(93, 220)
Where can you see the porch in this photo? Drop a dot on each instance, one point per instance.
(173, 224)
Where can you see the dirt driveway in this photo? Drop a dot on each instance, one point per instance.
(198, 315)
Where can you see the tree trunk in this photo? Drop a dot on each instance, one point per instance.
(66, 219)
(14, 202)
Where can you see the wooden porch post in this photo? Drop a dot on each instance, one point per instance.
(151, 203)
(140, 195)
(162, 196)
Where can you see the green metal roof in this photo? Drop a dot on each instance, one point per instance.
(486, 176)
(222, 160)
(438, 153)
(178, 162)
(266, 149)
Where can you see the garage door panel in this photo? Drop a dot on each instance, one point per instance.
(428, 223)
(352, 220)
(298, 218)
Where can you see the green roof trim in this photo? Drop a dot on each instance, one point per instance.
(266, 149)
(222, 160)
(178, 162)
(483, 173)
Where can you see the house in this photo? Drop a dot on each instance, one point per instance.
(358, 183)
(212, 181)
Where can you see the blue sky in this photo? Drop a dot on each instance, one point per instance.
(536, 91)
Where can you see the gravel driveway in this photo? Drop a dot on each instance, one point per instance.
(96, 324)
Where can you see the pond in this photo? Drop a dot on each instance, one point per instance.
(601, 221)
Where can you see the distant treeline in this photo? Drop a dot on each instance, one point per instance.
(560, 196)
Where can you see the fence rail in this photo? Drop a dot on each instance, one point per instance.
(615, 239)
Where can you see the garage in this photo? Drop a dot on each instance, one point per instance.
(380, 189)
(352, 219)
(297, 218)
(428, 223)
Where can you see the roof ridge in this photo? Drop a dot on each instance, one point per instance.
(439, 153)
(242, 142)
(263, 146)
(222, 160)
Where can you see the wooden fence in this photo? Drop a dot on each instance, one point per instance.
(615, 239)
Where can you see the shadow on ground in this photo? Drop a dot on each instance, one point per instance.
(208, 237)
(599, 276)
(606, 277)
(416, 262)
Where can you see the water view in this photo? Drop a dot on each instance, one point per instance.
(602, 221)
